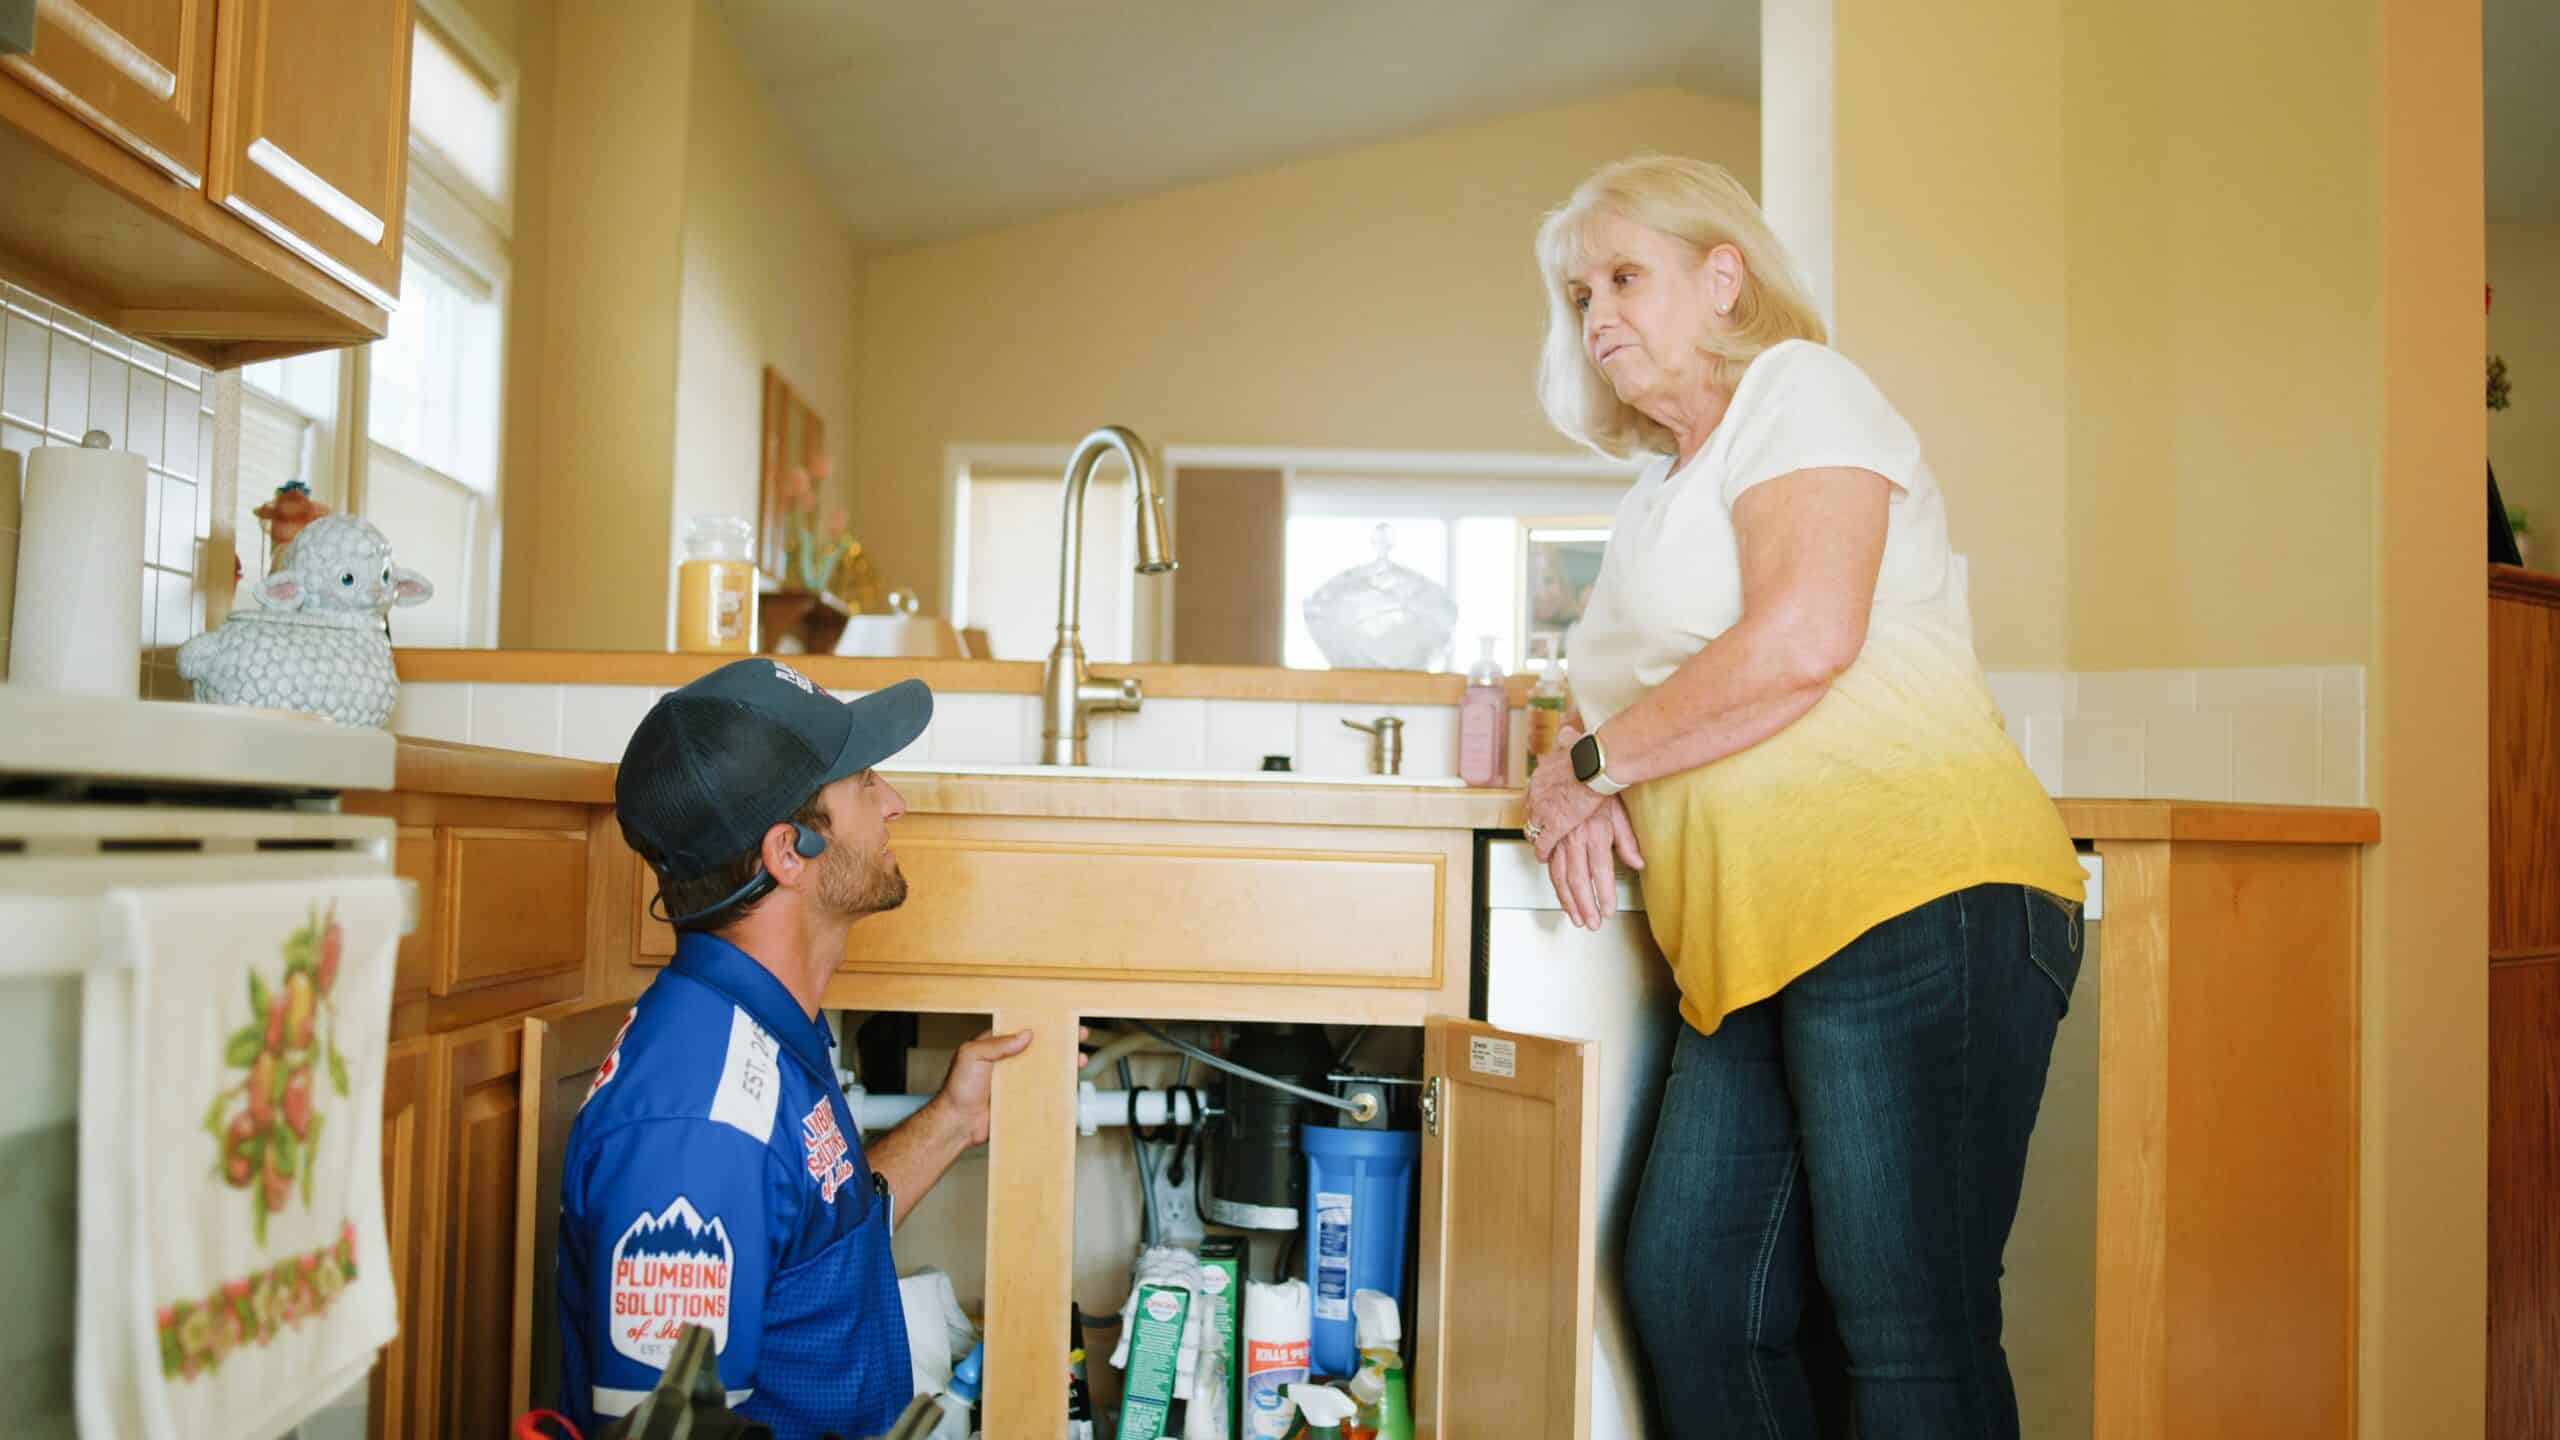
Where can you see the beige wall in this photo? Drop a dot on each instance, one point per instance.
(768, 279)
(2221, 308)
(611, 256)
(2250, 373)
(1382, 298)
(669, 245)
(1948, 283)
(2524, 326)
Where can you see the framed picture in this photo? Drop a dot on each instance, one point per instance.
(1559, 561)
(794, 439)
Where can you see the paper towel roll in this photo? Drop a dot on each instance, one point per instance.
(78, 618)
(8, 550)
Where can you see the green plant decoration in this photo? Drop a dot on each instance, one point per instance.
(266, 1128)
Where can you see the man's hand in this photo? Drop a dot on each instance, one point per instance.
(963, 1098)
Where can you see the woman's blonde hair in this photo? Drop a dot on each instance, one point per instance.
(1702, 206)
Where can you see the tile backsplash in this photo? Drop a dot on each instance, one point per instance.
(62, 375)
(2280, 735)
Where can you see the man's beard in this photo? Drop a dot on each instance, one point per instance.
(852, 885)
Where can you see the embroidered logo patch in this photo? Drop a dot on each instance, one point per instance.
(670, 1270)
(612, 1057)
(827, 1150)
(785, 672)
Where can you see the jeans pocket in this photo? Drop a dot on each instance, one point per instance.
(2054, 939)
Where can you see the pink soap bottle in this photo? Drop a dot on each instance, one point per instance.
(1484, 723)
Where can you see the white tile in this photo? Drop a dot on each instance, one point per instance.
(1431, 741)
(2275, 754)
(2236, 687)
(980, 729)
(66, 397)
(1162, 735)
(107, 382)
(2043, 749)
(2134, 692)
(175, 624)
(2342, 685)
(173, 524)
(1241, 732)
(596, 721)
(433, 711)
(2029, 692)
(2102, 757)
(2342, 755)
(2187, 757)
(146, 416)
(23, 354)
(516, 717)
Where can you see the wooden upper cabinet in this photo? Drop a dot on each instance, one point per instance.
(1510, 1212)
(141, 71)
(310, 136)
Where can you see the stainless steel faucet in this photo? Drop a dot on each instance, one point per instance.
(1069, 691)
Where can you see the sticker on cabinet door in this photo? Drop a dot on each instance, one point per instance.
(1488, 1056)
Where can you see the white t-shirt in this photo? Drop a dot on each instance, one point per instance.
(1898, 786)
(1672, 577)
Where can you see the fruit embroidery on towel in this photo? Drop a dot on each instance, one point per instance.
(266, 1127)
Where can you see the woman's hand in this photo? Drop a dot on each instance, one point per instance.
(1556, 804)
(1579, 866)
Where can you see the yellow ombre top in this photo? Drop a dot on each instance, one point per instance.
(1900, 785)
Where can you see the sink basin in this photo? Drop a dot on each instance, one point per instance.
(1252, 777)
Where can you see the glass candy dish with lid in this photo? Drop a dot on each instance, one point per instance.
(1381, 615)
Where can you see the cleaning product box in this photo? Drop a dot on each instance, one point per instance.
(1222, 1290)
(1155, 1360)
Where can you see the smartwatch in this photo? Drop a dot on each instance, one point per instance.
(1591, 767)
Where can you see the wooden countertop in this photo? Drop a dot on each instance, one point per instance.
(440, 767)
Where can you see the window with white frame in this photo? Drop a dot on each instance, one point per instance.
(1007, 555)
(1466, 533)
(432, 386)
(426, 397)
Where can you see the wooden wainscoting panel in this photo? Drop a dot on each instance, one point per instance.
(1240, 904)
(2262, 1135)
(516, 904)
(484, 1108)
(2524, 772)
(2524, 1186)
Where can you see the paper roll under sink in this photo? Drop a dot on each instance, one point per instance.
(76, 623)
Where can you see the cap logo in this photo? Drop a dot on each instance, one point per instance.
(795, 677)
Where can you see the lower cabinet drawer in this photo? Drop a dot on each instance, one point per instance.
(516, 906)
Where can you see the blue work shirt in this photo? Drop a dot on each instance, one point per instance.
(714, 1176)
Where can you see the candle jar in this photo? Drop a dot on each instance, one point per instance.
(716, 587)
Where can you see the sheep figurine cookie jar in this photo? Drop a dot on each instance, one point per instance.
(316, 641)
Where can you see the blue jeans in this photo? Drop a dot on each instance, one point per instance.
(1816, 1243)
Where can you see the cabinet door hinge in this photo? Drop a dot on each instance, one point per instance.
(1431, 1105)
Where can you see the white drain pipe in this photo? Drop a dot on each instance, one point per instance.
(1095, 1108)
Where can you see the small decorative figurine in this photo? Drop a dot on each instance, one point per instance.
(290, 510)
(317, 642)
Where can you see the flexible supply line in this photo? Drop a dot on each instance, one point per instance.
(1361, 1109)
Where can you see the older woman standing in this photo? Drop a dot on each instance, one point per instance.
(1870, 904)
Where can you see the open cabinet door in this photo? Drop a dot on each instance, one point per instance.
(561, 1057)
(1509, 1210)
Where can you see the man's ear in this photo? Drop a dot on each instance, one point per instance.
(781, 859)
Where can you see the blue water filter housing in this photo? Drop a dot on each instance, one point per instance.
(1359, 1200)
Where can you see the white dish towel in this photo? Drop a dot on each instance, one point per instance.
(234, 1271)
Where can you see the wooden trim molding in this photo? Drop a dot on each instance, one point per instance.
(988, 677)
(2515, 583)
(442, 767)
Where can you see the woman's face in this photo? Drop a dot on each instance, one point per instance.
(1646, 300)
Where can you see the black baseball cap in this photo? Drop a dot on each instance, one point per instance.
(716, 764)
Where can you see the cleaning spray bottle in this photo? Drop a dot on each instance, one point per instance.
(1322, 1412)
(959, 1401)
